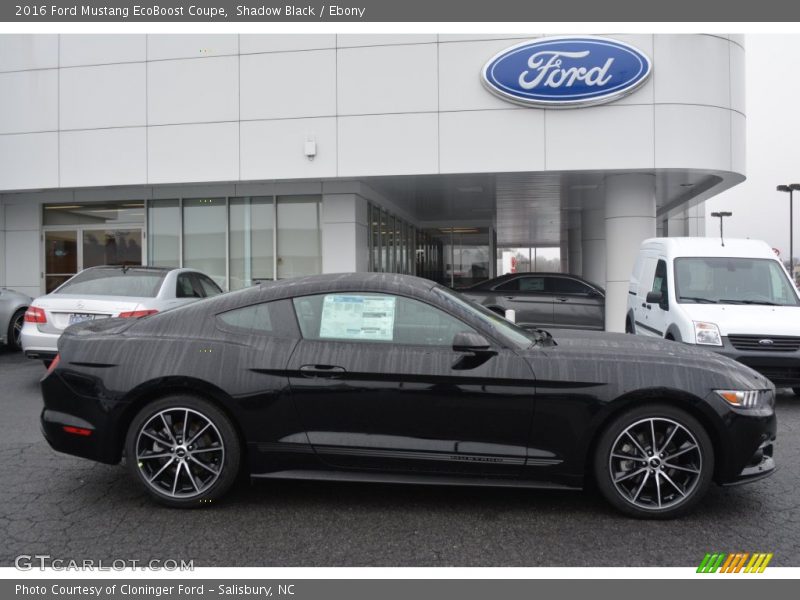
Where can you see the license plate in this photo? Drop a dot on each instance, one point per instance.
(79, 318)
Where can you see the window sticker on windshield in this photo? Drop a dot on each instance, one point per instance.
(358, 317)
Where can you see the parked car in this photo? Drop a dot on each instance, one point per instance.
(393, 378)
(108, 291)
(735, 299)
(12, 311)
(543, 300)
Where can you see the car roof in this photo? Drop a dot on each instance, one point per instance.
(709, 246)
(342, 282)
(489, 283)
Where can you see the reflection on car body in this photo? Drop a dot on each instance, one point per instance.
(543, 300)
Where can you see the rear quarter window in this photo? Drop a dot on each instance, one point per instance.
(268, 319)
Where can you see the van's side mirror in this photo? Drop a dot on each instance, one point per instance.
(468, 341)
(654, 298)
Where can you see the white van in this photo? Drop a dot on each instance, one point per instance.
(735, 299)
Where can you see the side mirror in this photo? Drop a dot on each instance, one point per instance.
(654, 298)
(467, 341)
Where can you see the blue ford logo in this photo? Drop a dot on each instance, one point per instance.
(566, 72)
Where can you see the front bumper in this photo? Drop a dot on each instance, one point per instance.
(781, 368)
(760, 466)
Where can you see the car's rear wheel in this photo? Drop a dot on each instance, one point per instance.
(14, 339)
(183, 450)
(655, 461)
(796, 391)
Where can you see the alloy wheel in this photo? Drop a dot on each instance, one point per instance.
(16, 329)
(655, 463)
(180, 452)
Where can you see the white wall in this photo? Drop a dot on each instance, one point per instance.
(102, 110)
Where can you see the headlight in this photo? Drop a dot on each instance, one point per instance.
(747, 399)
(707, 334)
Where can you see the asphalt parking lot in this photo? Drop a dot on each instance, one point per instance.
(74, 509)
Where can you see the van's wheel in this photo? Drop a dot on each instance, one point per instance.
(796, 391)
(183, 450)
(654, 462)
(629, 326)
(14, 333)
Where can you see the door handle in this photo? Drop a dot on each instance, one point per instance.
(508, 297)
(331, 371)
(561, 298)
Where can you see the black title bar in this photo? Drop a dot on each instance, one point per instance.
(464, 11)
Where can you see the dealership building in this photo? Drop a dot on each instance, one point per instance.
(256, 157)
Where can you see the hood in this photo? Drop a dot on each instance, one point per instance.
(649, 355)
(748, 319)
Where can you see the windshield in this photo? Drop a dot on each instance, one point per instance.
(137, 283)
(715, 280)
(499, 326)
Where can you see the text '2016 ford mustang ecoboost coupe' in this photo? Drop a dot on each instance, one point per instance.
(392, 378)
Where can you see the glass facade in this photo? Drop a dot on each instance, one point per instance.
(82, 235)
(204, 237)
(250, 244)
(164, 233)
(235, 240)
(543, 259)
(392, 242)
(299, 236)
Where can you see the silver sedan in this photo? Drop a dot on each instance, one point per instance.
(12, 312)
(108, 291)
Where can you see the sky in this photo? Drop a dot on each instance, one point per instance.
(773, 146)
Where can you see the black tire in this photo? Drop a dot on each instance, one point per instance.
(629, 326)
(13, 341)
(217, 446)
(796, 391)
(623, 488)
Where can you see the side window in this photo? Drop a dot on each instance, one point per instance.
(375, 318)
(660, 282)
(567, 285)
(185, 287)
(531, 284)
(208, 286)
(267, 318)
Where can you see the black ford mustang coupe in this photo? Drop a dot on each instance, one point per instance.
(392, 378)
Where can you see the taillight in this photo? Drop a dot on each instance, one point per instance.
(34, 314)
(77, 430)
(136, 314)
(54, 364)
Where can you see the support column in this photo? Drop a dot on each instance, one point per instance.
(676, 226)
(344, 233)
(696, 220)
(593, 245)
(574, 244)
(630, 218)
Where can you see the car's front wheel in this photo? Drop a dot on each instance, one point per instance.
(655, 461)
(14, 339)
(183, 450)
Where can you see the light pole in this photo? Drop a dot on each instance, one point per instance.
(721, 216)
(790, 189)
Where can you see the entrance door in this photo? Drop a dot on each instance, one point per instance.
(68, 251)
(377, 384)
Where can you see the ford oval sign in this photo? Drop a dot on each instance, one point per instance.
(566, 72)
